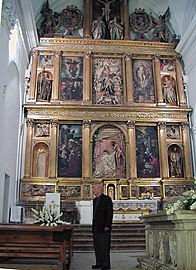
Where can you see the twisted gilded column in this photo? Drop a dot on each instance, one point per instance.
(187, 152)
(56, 78)
(163, 150)
(87, 78)
(53, 149)
(86, 157)
(158, 86)
(129, 78)
(87, 18)
(179, 80)
(131, 155)
(28, 151)
(32, 88)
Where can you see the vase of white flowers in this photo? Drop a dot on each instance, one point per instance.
(187, 201)
(48, 215)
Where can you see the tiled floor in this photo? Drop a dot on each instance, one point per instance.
(119, 260)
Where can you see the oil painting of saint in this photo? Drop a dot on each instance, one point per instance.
(71, 87)
(46, 61)
(109, 153)
(107, 81)
(167, 66)
(143, 81)
(169, 90)
(70, 151)
(147, 152)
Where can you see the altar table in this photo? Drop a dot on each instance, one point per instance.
(37, 242)
(131, 210)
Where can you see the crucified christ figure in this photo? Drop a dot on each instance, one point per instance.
(106, 10)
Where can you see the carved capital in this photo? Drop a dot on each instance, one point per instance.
(54, 123)
(156, 57)
(185, 125)
(86, 123)
(57, 54)
(34, 53)
(162, 125)
(127, 56)
(131, 124)
(88, 55)
(30, 122)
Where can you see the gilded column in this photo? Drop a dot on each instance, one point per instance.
(87, 78)
(126, 19)
(53, 149)
(131, 156)
(32, 88)
(86, 158)
(187, 152)
(156, 62)
(56, 78)
(28, 152)
(87, 18)
(129, 78)
(163, 150)
(179, 80)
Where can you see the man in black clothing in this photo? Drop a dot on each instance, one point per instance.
(101, 227)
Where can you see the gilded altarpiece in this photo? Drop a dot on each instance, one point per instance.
(111, 111)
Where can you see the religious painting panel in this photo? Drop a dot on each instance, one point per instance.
(69, 192)
(147, 152)
(124, 192)
(35, 192)
(169, 89)
(173, 132)
(46, 61)
(42, 130)
(172, 190)
(149, 192)
(175, 161)
(109, 153)
(107, 81)
(71, 88)
(167, 66)
(44, 86)
(143, 82)
(70, 151)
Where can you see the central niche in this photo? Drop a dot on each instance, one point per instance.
(109, 153)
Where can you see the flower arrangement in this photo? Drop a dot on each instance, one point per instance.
(48, 215)
(187, 201)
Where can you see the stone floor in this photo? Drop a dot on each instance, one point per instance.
(119, 260)
(82, 261)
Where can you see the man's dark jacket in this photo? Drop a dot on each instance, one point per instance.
(102, 213)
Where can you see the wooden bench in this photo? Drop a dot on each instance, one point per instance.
(37, 242)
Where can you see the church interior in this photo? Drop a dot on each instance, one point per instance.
(93, 92)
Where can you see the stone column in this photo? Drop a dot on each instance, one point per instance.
(157, 76)
(131, 155)
(129, 78)
(163, 151)
(179, 81)
(33, 80)
(87, 19)
(86, 157)
(53, 149)
(28, 151)
(187, 158)
(87, 96)
(126, 19)
(56, 78)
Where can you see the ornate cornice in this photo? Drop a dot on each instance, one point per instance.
(99, 114)
(106, 46)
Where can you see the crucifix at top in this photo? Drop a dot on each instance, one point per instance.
(106, 10)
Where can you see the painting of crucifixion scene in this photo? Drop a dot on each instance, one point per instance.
(71, 78)
(107, 81)
(143, 81)
(109, 153)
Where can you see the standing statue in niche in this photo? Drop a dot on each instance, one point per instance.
(44, 87)
(106, 10)
(175, 162)
(98, 28)
(116, 29)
